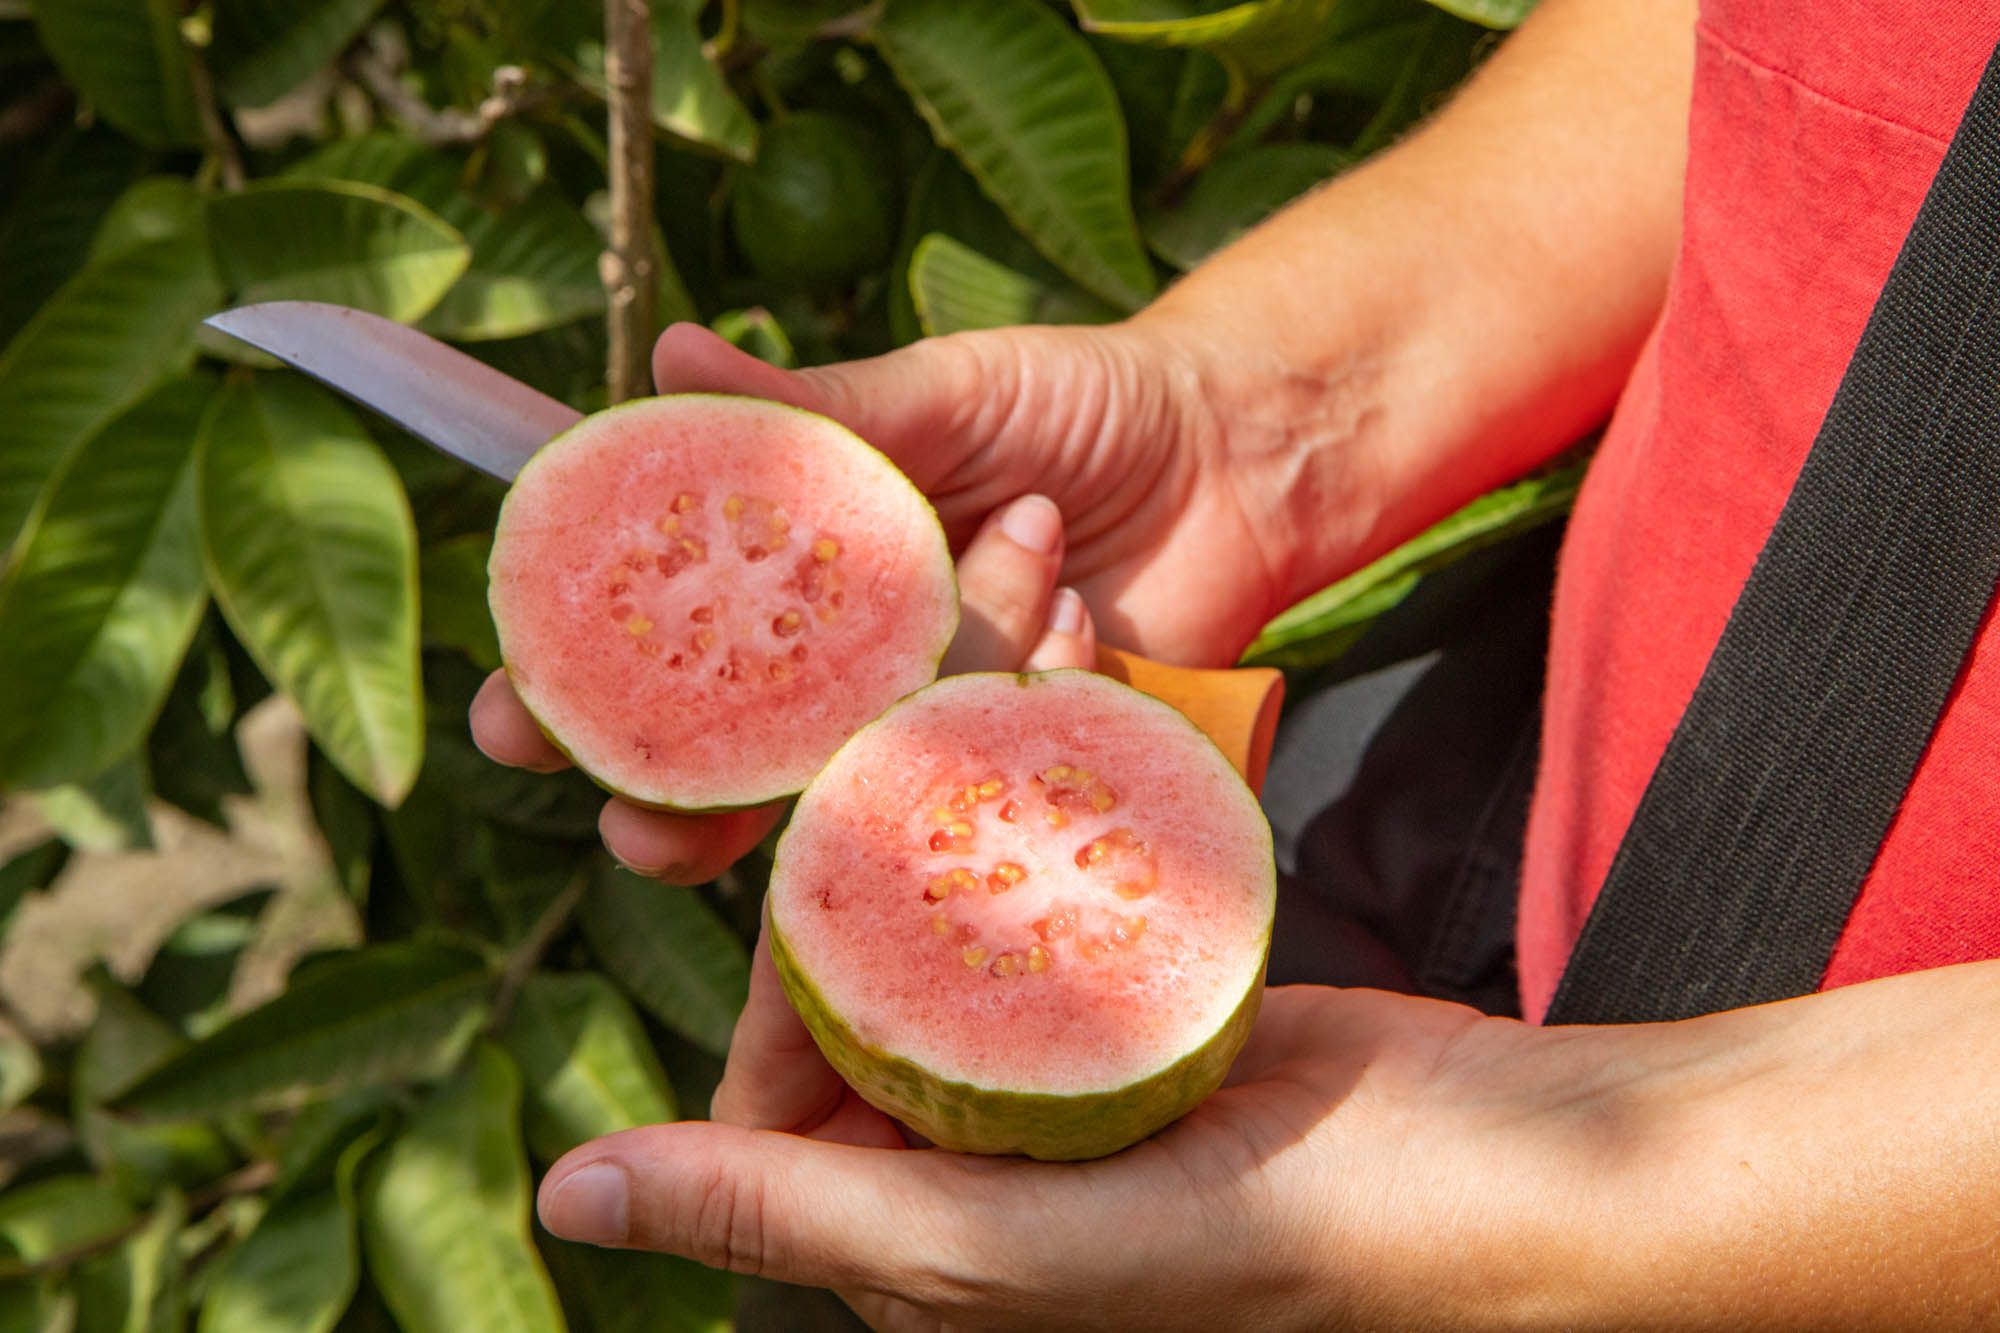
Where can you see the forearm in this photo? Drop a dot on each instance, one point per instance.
(1832, 1162)
(1465, 305)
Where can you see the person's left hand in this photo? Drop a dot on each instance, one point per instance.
(1366, 1162)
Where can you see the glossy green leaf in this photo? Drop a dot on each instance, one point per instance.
(158, 208)
(955, 288)
(106, 813)
(58, 199)
(1235, 193)
(59, 1214)
(586, 1064)
(337, 241)
(1018, 96)
(944, 198)
(392, 1011)
(298, 1270)
(627, 1291)
(98, 346)
(312, 556)
(671, 952)
(758, 332)
(455, 612)
(1258, 37)
(1489, 13)
(126, 58)
(533, 265)
(1319, 628)
(264, 48)
(444, 1212)
(103, 595)
(138, 1287)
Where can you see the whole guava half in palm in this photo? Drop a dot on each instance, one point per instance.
(700, 597)
(1026, 913)
(814, 209)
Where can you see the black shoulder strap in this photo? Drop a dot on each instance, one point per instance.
(1753, 837)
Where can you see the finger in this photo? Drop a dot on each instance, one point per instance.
(682, 849)
(821, 1214)
(776, 1078)
(903, 402)
(506, 732)
(1005, 578)
(1070, 637)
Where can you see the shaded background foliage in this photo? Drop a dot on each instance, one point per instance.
(187, 530)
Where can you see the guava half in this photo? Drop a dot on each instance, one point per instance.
(700, 597)
(1026, 913)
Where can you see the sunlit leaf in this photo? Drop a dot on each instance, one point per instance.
(444, 1212)
(103, 595)
(297, 1271)
(336, 241)
(312, 555)
(264, 48)
(126, 57)
(1319, 628)
(586, 1064)
(158, 208)
(533, 265)
(60, 1214)
(1018, 96)
(106, 813)
(671, 952)
(102, 343)
(392, 1011)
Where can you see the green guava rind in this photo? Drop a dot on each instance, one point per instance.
(965, 1117)
(1053, 1127)
(948, 587)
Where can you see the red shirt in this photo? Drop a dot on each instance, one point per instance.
(1814, 133)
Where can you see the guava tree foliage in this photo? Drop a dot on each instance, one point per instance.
(186, 529)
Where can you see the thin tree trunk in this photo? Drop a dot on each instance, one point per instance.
(630, 268)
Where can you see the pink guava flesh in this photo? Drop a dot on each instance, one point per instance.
(1043, 884)
(700, 597)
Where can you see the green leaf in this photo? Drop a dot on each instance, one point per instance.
(444, 1212)
(191, 749)
(101, 344)
(1363, 57)
(625, 1291)
(944, 198)
(1489, 13)
(955, 287)
(28, 871)
(60, 1214)
(126, 57)
(522, 875)
(1018, 96)
(391, 1011)
(672, 953)
(158, 208)
(1235, 193)
(58, 201)
(312, 555)
(584, 1058)
(188, 981)
(138, 1287)
(758, 332)
(107, 813)
(265, 48)
(1257, 37)
(533, 265)
(1322, 626)
(104, 593)
(337, 241)
(298, 1270)
(20, 1070)
(124, 1043)
(455, 613)
(1434, 59)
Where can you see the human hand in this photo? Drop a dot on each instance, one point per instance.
(1370, 1161)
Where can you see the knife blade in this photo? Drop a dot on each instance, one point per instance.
(449, 400)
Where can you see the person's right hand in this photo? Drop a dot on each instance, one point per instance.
(1175, 492)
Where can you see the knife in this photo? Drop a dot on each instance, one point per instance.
(493, 422)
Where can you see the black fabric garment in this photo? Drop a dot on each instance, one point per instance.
(1759, 825)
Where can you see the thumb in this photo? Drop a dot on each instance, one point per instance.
(793, 1209)
(917, 404)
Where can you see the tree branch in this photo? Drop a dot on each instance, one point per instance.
(630, 268)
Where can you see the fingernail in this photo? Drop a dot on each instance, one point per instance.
(590, 1205)
(1033, 523)
(1066, 612)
